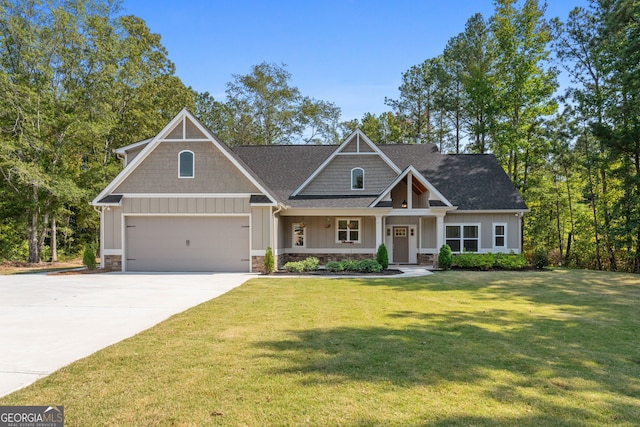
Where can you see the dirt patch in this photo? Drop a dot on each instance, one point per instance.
(80, 271)
(18, 267)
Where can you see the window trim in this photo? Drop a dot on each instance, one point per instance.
(193, 164)
(338, 229)
(295, 227)
(494, 235)
(461, 239)
(352, 180)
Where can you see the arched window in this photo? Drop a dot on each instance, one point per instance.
(186, 164)
(357, 179)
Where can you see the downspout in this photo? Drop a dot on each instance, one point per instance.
(100, 211)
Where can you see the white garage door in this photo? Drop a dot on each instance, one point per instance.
(187, 243)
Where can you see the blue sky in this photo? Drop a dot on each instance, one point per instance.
(349, 52)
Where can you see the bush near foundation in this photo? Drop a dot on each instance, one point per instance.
(490, 261)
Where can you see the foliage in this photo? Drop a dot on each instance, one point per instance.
(308, 264)
(89, 257)
(382, 256)
(262, 107)
(445, 257)
(362, 266)
(369, 266)
(490, 261)
(540, 258)
(269, 262)
(334, 266)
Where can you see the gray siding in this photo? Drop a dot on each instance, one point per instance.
(186, 205)
(319, 236)
(335, 179)
(113, 228)
(486, 222)
(429, 233)
(158, 173)
(260, 227)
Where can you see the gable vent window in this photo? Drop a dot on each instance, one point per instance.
(186, 166)
(357, 179)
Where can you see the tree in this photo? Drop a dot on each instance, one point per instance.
(266, 109)
(415, 106)
(524, 88)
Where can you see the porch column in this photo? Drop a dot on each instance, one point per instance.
(379, 231)
(439, 232)
(409, 190)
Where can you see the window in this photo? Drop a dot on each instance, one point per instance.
(186, 164)
(348, 230)
(462, 238)
(499, 236)
(357, 179)
(298, 235)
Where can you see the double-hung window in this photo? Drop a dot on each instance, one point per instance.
(348, 230)
(499, 236)
(186, 164)
(463, 237)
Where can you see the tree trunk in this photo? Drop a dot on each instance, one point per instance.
(54, 240)
(43, 235)
(34, 256)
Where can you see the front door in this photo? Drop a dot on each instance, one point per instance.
(400, 245)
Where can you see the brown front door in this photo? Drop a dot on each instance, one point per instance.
(400, 244)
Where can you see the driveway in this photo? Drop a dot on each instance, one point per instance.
(47, 322)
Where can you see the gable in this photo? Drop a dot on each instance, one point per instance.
(213, 172)
(154, 170)
(333, 176)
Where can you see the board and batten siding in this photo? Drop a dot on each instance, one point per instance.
(486, 221)
(260, 227)
(186, 205)
(335, 178)
(213, 171)
(319, 236)
(112, 237)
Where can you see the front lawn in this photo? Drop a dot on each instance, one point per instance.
(461, 348)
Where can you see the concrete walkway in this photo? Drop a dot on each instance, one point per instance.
(47, 322)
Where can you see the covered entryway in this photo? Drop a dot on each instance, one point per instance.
(186, 243)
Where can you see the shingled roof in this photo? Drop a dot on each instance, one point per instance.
(468, 181)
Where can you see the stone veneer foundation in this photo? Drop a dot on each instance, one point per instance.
(113, 262)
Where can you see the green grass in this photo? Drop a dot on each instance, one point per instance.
(553, 348)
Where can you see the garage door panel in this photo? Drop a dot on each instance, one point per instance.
(187, 243)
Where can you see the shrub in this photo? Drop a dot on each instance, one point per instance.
(311, 264)
(89, 257)
(445, 257)
(269, 262)
(369, 266)
(382, 256)
(334, 266)
(540, 258)
(349, 265)
(294, 266)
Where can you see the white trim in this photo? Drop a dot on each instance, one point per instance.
(461, 225)
(327, 251)
(112, 251)
(494, 235)
(182, 115)
(123, 150)
(360, 136)
(193, 164)
(415, 174)
(187, 214)
(345, 212)
(352, 170)
(360, 223)
(185, 195)
(494, 211)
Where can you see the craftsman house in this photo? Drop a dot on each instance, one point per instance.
(184, 201)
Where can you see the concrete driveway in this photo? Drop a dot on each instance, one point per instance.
(47, 322)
